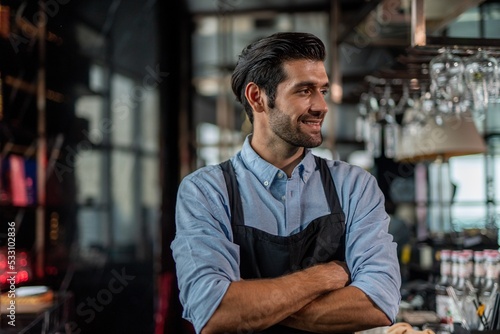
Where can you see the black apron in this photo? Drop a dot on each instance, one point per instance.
(264, 255)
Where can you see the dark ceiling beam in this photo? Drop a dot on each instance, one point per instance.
(288, 8)
(357, 16)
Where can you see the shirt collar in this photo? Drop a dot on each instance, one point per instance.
(266, 172)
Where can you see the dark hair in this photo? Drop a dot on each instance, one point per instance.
(262, 61)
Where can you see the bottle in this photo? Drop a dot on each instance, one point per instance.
(462, 275)
(4, 21)
(490, 283)
(469, 258)
(460, 287)
(455, 254)
(465, 306)
(498, 266)
(443, 301)
(479, 271)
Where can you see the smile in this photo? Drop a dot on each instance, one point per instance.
(313, 123)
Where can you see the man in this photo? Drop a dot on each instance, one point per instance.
(277, 240)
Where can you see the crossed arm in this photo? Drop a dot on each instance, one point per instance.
(316, 299)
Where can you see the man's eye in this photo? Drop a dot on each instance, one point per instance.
(324, 92)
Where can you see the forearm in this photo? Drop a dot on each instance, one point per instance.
(344, 310)
(258, 304)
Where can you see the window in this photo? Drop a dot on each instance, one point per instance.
(469, 208)
(118, 190)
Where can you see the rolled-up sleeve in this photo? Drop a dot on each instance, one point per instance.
(206, 260)
(370, 250)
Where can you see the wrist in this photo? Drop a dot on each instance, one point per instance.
(320, 276)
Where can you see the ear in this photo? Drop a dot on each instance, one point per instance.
(255, 97)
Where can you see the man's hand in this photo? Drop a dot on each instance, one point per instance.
(339, 273)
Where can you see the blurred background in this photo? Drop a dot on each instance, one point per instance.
(106, 105)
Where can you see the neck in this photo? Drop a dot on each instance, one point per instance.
(289, 165)
(281, 155)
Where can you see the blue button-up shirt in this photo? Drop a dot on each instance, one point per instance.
(207, 260)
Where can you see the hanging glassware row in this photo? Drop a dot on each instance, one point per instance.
(434, 83)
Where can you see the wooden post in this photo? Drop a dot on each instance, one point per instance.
(41, 154)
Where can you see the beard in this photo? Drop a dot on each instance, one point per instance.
(282, 126)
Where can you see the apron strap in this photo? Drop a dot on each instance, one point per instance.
(328, 185)
(235, 204)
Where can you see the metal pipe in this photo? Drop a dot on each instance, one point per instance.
(418, 34)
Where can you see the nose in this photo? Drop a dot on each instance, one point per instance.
(319, 103)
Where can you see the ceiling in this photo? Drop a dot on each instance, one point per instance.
(352, 11)
(213, 6)
(131, 25)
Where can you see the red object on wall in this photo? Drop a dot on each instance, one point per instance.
(168, 314)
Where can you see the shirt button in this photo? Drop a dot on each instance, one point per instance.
(280, 175)
(266, 183)
(283, 198)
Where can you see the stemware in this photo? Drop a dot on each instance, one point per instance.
(405, 101)
(492, 120)
(447, 76)
(372, 128)
(361, 132)
(391, 127)
(480, 75)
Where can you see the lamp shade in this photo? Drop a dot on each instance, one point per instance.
(455, 135)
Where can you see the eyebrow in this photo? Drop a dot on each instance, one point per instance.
(310, 84)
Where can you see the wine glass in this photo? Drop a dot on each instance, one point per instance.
(447, 76)
(480, 75)
(374, 129)
(492, 120)
(371, 128)
(361, 117)
(391, 127)
(405, 101)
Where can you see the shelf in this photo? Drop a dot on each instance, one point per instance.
(31, 88)
(392, 26)
(22, 30)
(25, 150)
(389, 23)
(459, 46)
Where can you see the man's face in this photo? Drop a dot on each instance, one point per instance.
(300, 106)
